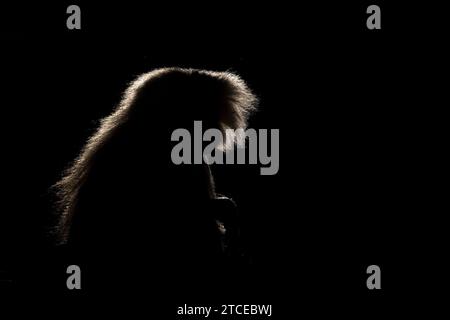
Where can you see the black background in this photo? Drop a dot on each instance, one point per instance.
(354, 108)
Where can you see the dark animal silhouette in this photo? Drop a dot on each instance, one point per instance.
(124, 198)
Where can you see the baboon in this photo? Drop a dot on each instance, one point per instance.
(123, 193)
